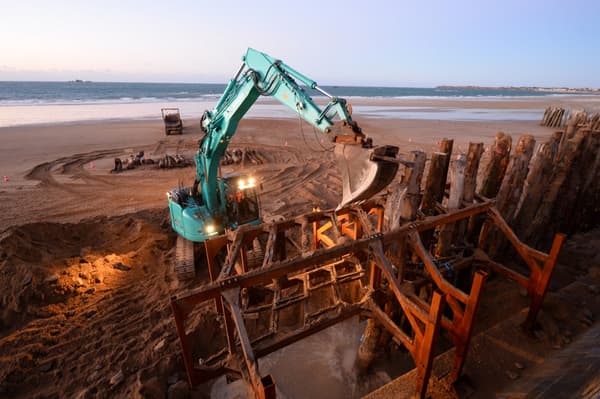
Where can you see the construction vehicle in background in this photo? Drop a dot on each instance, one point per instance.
(172, 119)
(214, 204)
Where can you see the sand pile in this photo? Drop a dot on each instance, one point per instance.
(87, 305)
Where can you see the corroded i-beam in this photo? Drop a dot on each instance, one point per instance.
(284, 281)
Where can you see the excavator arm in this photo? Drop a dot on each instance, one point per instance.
(260, 74)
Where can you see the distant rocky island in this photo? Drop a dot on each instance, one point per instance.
(80, 81)
(524, 88)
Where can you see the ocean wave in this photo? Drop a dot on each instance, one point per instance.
(120, 100)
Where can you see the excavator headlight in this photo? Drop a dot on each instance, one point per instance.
(210, 228)
(244, 184)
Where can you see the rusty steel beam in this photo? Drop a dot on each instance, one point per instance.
(462, 325)
(463, 307)
(540, 264)
(263, 387)
(421, 347)
(279, 269)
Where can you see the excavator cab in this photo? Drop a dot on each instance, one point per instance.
(241, 205)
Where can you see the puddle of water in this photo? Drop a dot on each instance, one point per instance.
(320, 366)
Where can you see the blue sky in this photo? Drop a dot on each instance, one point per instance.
(369, 42)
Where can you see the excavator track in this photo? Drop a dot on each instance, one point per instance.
(184, 259)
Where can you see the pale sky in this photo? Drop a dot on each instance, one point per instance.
(368, 42)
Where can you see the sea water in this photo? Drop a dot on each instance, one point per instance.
(23, 103)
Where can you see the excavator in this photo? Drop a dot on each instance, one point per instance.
(215, 204)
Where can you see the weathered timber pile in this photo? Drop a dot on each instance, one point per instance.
(554, 188)
(539, 189)
(559, 117)
(238, 156)
(243, 156)
(562, 190)
(553, 117)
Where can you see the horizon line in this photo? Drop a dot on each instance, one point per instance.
(457, 86)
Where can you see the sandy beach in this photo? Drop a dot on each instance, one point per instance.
(42, 160)
(66, 220)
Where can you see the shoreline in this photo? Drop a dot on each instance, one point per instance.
(465, 109)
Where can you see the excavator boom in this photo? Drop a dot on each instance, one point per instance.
(209, 207)
(362, 175)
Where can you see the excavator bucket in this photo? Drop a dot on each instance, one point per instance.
(365, 171)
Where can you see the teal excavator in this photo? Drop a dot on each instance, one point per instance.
(214, 204)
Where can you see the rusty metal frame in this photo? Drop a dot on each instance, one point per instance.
(327, 237)
(541, 264)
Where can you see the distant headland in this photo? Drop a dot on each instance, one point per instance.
(525, 88)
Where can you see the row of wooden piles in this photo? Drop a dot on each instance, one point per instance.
(559, 117)
(243, 156)
(540, 189)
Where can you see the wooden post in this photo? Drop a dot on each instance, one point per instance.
(494, 173)
(412, 178)
(434, 190)
(434, 186)
(446, 147)
(586, 205)
(457, 185)
(473, 158)
(568, 210)
(511, 189)
(545, 117)
(538, 232)
(457, 181)
(538, 178)
(410, 203)
(368, 346)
